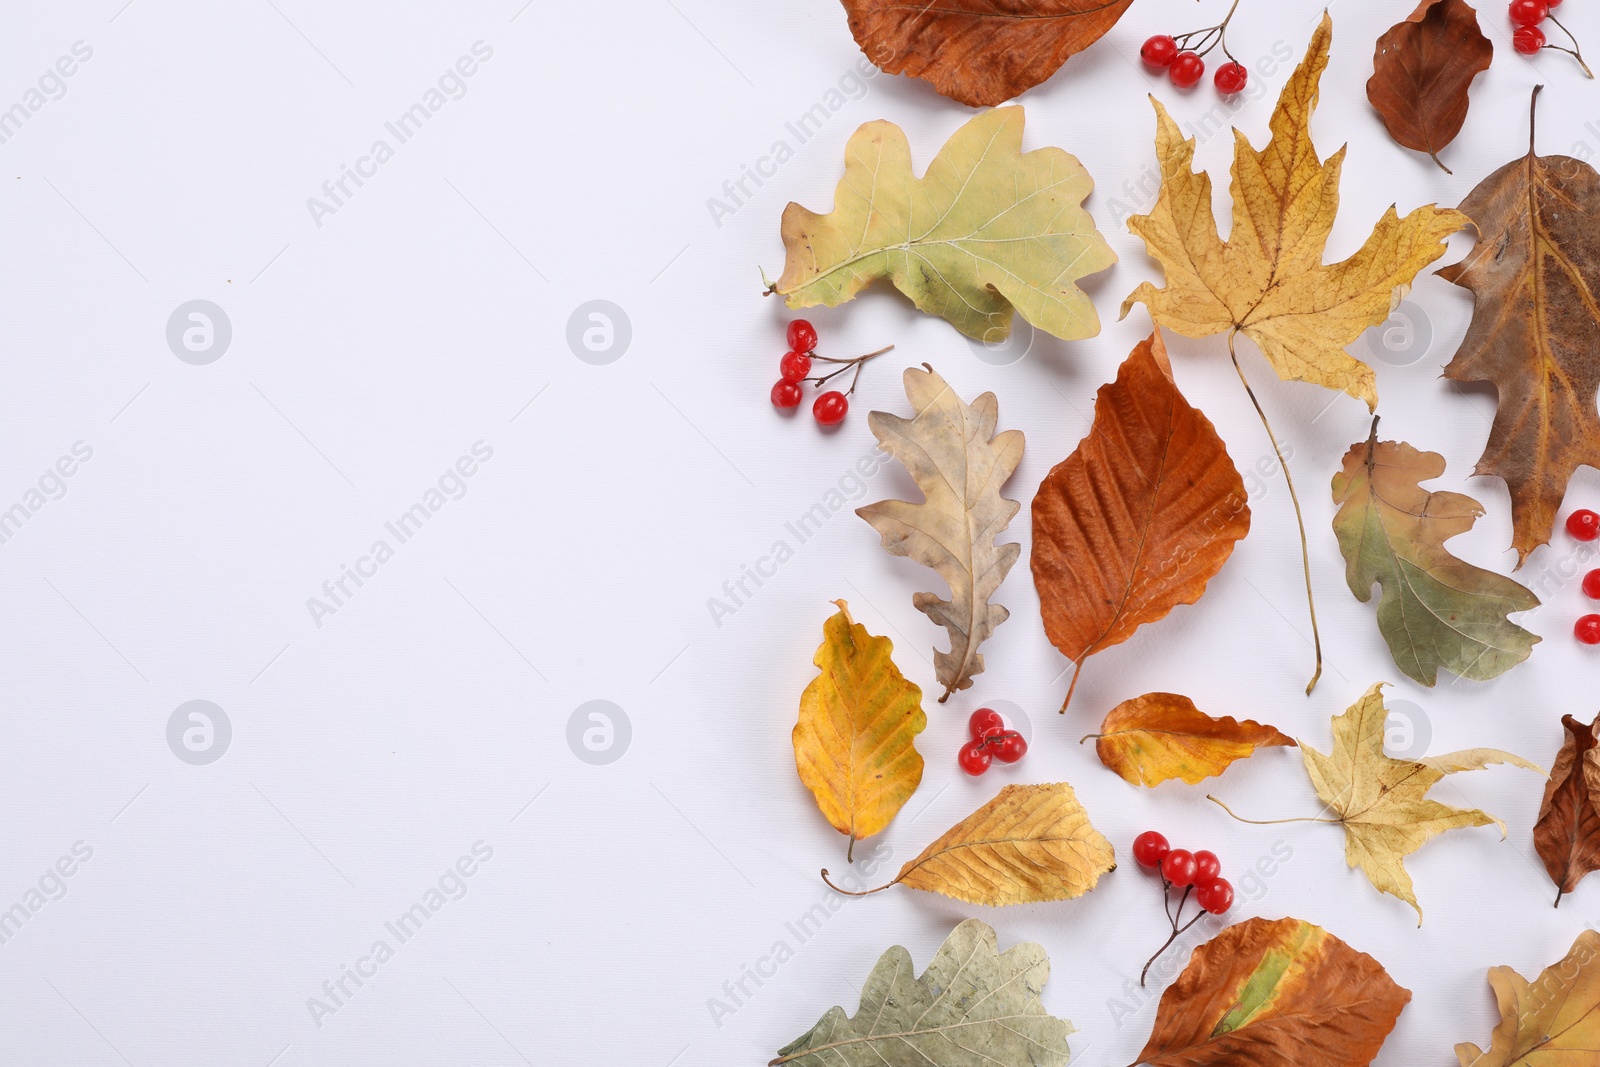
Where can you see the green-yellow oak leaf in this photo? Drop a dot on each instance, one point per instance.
(988, 230)
(1436, 610)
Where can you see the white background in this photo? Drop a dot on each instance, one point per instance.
(371, 351)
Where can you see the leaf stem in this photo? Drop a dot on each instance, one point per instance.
(1077, 670)
(855, 892)
(1305, 550)
(1270, 822)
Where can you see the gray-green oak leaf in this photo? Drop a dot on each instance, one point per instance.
(1436, 610)
(973, 1007)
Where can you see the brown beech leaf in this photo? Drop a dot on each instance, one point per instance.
(1422, 70)
(1275, 994)
(1535, 333)
(1554, 1022)
(1030, 843)
(1159, 736)
(1567, 833)
(1139, 518)
(980, 52)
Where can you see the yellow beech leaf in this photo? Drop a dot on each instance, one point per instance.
(855, 742)
(1268, 281)
(1159, 736)
(1031, 843)
(1382, 802)
(988, 230)
(1554, 1022)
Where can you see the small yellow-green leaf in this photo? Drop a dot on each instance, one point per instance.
(987, 230)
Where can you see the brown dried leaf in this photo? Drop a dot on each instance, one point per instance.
(1139, 518)
(1275, 994)
(1567, 833)
(980, 52)
(1535, 333)
(1422, 70)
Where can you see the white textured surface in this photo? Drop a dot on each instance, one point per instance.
(372, 351)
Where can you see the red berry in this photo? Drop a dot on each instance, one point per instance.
(983, 719)
(1529, 12)
(1588, 629)
(1159, 52)
(1207, 868)
(1584, 525)
(1216, 897)
(1177, 867)
(830, 408)
(1552, 4)
(786, 394)
(1591, 584)
(1231, 78)
(974, 758)
(1010, 748)
(802, 336)
(1528, 40)
(794, 366)
(1150, 848)
(1187, 70)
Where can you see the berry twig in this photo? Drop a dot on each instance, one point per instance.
(845, 364)
(1183, 57)
(1197, 873)
(795, 367)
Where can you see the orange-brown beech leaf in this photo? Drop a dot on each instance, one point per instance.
(1139, 518)
(1159, 736)
(980, 52)
(1275, 994)
(1567, 833)
(1422, 70)
(1535, 333)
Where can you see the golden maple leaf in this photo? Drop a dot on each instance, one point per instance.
(1268, 281)
(855, 741)
(1382, 802)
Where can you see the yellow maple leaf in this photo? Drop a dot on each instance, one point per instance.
(1268, 280)
(854, 745)
(1382, 802)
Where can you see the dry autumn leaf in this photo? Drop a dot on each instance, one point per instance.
(854, 745)
(959, 462)
(1535, 333)
(1554, 1022)
(980, 52)
(1382, 802)
(1139, 518)
(1422, 70)
(1159, 736)
(1567, 832)
(1275, 994)
(974, 1006)
(1031, 843)
(1436, 610)
(1268, 281)
(987, 231)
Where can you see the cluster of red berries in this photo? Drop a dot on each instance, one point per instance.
(1199, 873)
(830, 407)
(1182, 57)
(1529, 39)
(990, 740)
(1584, 525)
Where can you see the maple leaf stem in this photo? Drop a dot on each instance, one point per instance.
(1270, 822)
(856, 892)
(1299, 517)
